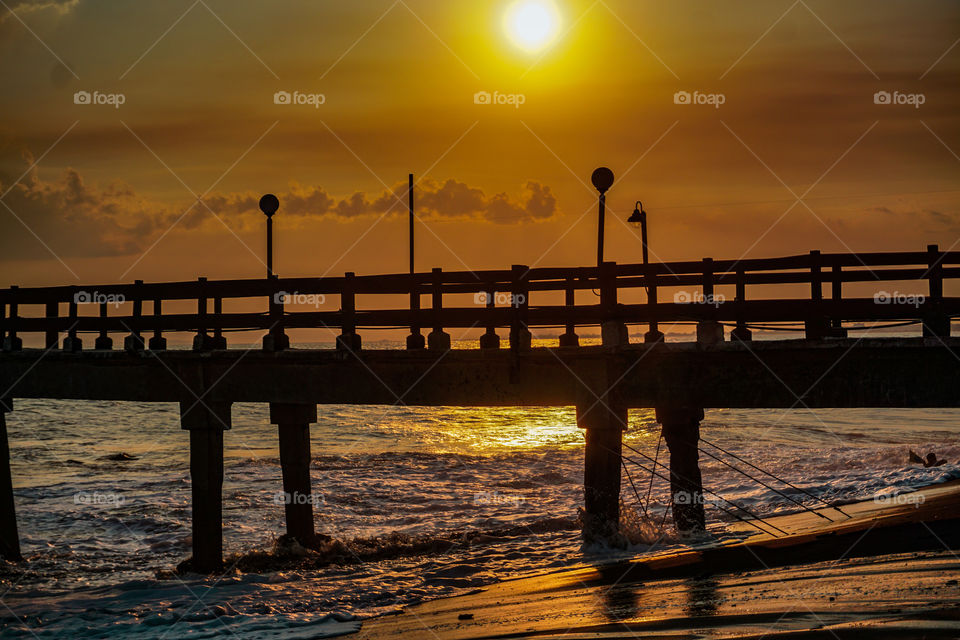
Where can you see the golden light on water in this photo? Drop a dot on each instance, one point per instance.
(532, 24)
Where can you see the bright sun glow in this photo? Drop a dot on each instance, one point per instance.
(532, 24)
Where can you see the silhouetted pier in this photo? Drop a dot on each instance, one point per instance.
(679, 379)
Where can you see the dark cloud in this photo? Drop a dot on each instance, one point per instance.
(451, 199)
(74, 218)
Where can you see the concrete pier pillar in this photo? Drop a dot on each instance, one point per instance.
(72, 343)
(438, 340)
(293, 425)
(613, 332)
(681, 430)
(490, 339)
(569, 337)
(9, 538)
(206, 422)
(415, 340)
(709, 332)
(134, 342)
(52, 336)
(103, 342)
(11, 342)
(603, 430)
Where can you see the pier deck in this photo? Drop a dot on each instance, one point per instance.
(824, 369)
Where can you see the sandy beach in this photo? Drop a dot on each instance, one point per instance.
(888, 571)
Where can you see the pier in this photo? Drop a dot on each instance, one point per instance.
(723, 367)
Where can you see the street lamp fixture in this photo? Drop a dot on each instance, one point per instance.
(602, 180)
(269, 205)
(639, 219)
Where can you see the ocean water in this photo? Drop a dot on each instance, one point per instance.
(421, 502)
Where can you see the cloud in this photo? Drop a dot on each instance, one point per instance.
(73, 218)
(450, 199)
(54, 7)
(76, 218)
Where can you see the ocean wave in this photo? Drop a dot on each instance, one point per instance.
(289, 554)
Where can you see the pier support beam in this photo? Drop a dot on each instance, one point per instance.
(603, 430)
(681, 430)
(9, 539)
(293, 425)
(206, 422)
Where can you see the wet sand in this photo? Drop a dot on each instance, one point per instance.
(888, 571)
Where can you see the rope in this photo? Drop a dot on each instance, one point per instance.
(656, 458)
(630, 478)
(763, 484)
(713, 493)
(796, 488)
(727, 511)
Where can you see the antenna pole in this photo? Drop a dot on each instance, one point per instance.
(410, 197)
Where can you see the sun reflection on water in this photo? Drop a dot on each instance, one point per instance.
(470, 430)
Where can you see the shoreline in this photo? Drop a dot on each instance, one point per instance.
(886, 571)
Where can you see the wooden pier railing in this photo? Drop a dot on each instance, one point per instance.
(678, 380)
(502, 299)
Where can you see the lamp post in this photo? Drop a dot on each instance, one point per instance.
(276, 339)
(639, 219)
(602, 180)
(269, 205)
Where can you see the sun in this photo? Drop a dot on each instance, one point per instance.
(532, 24)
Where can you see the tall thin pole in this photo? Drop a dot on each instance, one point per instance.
(410, 198)
(269, 247)
(415, 340)
(603, 206)
(643, 237)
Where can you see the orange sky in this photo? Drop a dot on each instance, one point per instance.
(98, 193)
